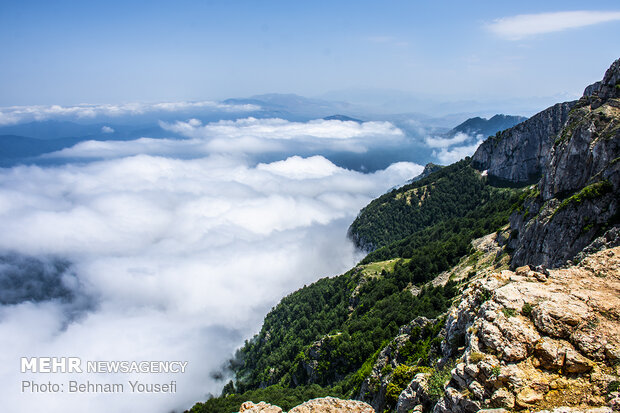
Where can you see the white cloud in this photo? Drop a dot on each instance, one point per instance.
(182, 259)
(107, 129)
(18, 114)
(439, 142)
(283, 129)
(447, 156)
(297, 167)
(524, 25)
(246, 136)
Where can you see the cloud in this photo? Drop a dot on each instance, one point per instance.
(447, 155)
(439, 142)
(107, 129)
(524, 25)
(283, 129)
(179, 259)
(247, 136)
(19, 114)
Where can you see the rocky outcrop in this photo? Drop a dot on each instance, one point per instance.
(518, 155)
(332, 405)
(429, 168)
(535, 340)
(322, 405)
(378, 389)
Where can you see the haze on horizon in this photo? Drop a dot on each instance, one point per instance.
(398, 54)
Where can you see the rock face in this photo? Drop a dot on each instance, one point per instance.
(536, 341)
(578, 196)
(375, 389)
(322, 405)
(518, 155)
(575, 148)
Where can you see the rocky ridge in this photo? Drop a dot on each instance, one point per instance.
(533, 339)
(577, 198)
(575, 148)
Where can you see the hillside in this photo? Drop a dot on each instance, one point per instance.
(476, 294)
(449, 192)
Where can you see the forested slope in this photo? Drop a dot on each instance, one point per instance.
(452, 191)
(325, 337)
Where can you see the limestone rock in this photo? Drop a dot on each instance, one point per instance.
(503, 398)
(415, 394)
(528, 397)
(559, 350)
(321, 405)
(262, 407)
(519, 154)
(332, 405)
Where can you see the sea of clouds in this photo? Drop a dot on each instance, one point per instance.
(134, 251)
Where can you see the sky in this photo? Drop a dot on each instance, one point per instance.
(71, 52)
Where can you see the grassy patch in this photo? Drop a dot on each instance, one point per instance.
(509, 312)
(592, 191)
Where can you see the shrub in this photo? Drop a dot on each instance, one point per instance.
(437, 382)
(613, 386)
(509, 312)
(476, 356)
(526, 310)
(400, 379)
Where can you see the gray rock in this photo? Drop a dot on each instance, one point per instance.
(518, 154)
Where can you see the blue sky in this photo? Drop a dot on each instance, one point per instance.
(69, 52)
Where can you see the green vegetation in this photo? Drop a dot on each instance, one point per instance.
(304, 326)
(437, 382)
(450, 192)
(509, 312)
(326, 337)
(400, 379)
(526, 310)
(592, 191)
(476, 357)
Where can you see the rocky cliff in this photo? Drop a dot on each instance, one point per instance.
(571, 150)
(577, 198)
(518, 155)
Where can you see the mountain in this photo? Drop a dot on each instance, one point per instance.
(575, 147)
(481, 291)
(342, 118)
(14, 147)
(453, 191)
(486, 127)
(293, 107)
(429, 168)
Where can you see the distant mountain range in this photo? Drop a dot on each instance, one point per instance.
(486, 127)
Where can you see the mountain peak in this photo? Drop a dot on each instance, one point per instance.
(607, 88)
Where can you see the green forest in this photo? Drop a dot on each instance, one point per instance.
(323, 338)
